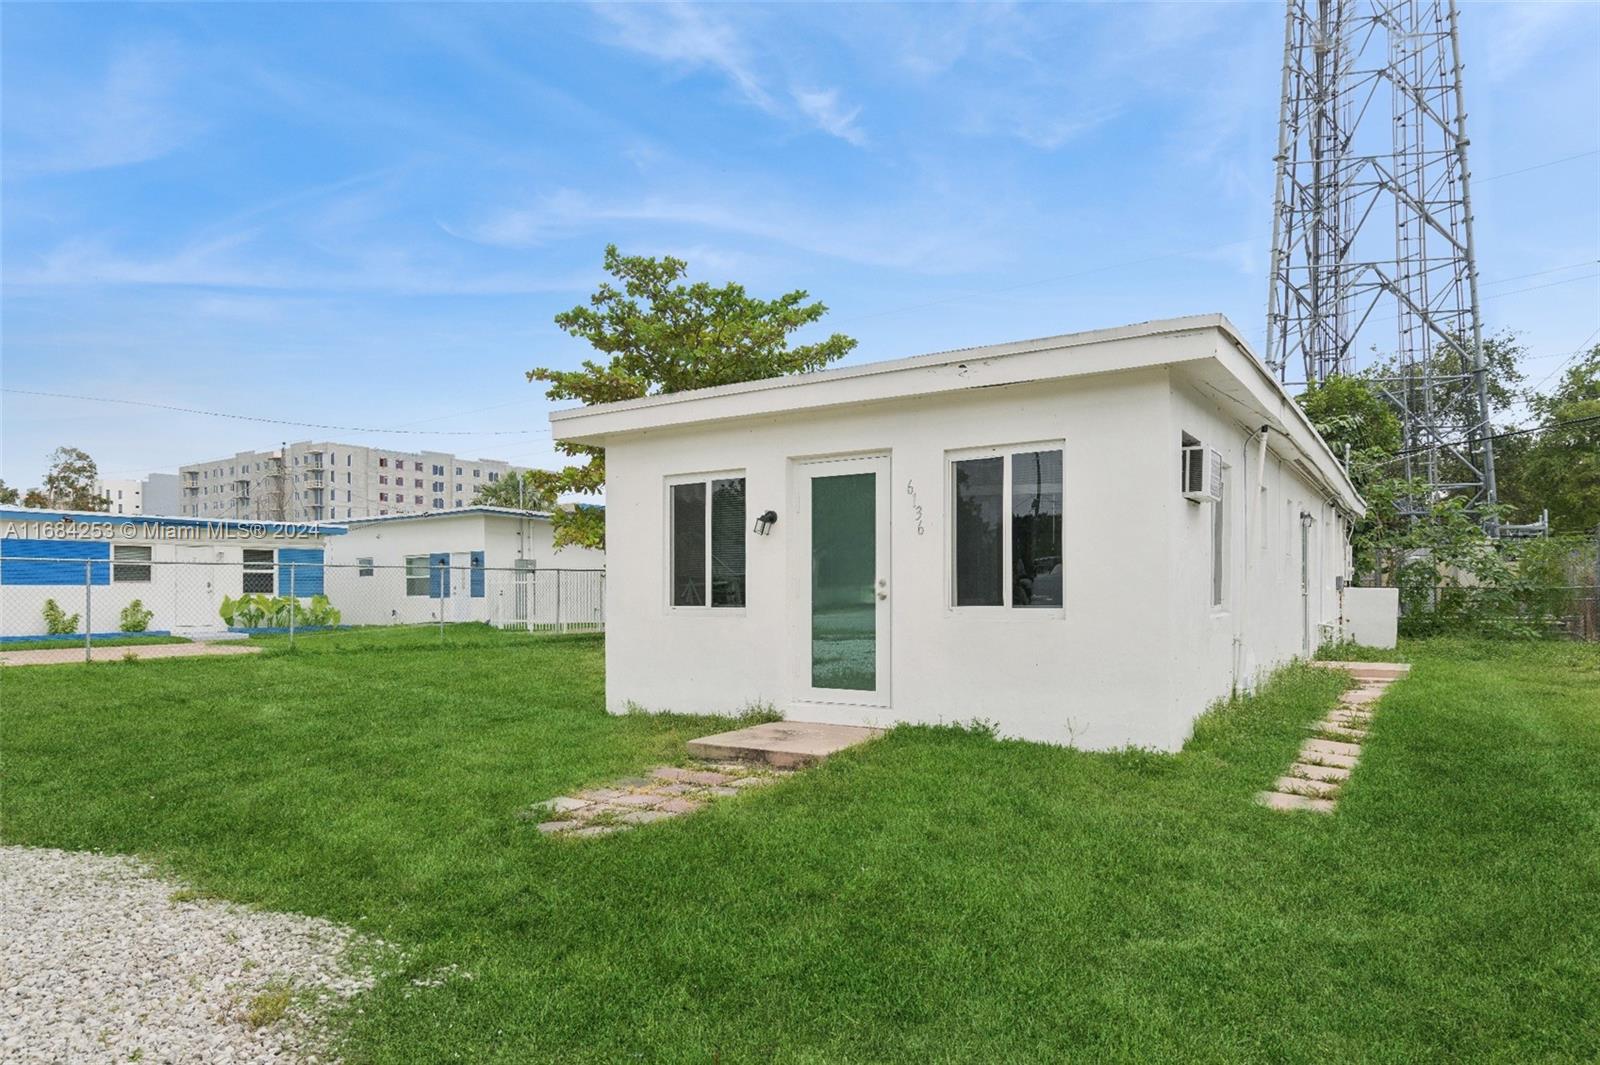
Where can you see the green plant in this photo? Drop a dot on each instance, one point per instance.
(58, 622)
(134, 617)
(319, 612)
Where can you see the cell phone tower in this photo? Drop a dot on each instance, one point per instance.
(1372, 243)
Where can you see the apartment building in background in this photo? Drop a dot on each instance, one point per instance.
(156, 494)
(326, 481)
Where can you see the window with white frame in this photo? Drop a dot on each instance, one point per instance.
(130, 563)
(258, 571)
(1006, 506)
(417, 575)
(706, 518)
(1220, 528)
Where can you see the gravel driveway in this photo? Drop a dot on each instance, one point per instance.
(98, 962)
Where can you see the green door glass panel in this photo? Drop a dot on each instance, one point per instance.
(844, 567)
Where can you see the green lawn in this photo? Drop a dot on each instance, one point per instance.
(934, 896)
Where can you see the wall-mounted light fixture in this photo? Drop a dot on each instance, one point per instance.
(765, 523)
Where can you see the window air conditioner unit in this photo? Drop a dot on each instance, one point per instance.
(1202, 474)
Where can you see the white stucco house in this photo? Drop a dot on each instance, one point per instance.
(1085, 539)
(95, 564)
(496, 565)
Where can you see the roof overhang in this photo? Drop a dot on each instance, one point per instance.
(1205, 349)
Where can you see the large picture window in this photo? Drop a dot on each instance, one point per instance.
(1006, 527)
(707, 548)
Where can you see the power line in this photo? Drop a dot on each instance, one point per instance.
(1571, 422)
(1539, 166)
(274, 421)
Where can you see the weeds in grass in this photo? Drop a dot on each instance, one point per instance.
(269, 1006)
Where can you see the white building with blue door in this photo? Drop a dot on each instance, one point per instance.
(181, 569)
(496, 565)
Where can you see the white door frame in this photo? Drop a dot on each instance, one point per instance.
(800, 577)
(194, 589)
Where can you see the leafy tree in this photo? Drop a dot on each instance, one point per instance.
(9, 494)
(1559, 468)
(70, 480)
(36, 499)
(663, 335)
(526, 492)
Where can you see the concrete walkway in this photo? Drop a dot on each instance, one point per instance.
(731, 762)
(1327, 759)
(58, 656)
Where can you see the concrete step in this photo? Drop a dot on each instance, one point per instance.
(1378, 671)
(1277, 800)
(1335, 747)
(1315, 757)
(785, 744)
(1319, 772)
(1316, 789)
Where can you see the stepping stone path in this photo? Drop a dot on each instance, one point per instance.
(669, 791)
(1326, 759)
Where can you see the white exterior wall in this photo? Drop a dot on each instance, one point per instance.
(121, 496)
(1091, 673)
(505, 540)
(1259, 625)
(1135, 655)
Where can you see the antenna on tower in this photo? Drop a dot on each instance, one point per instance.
(1372, 240)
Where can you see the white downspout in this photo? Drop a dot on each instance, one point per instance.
(1252, 516)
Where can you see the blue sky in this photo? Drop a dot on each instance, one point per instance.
(367, 214)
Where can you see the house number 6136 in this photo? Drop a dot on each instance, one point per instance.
(916, 508)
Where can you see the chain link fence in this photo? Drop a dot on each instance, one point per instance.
(1561, 611)
(72, 601)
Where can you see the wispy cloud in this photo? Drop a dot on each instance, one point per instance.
(692, 37)
(226, 264)
(130, 115)
(824, 108)
(934, 237)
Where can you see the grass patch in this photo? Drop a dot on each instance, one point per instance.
(936, 895)
(269, 1006)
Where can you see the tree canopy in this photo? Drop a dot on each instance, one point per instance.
(662, 335)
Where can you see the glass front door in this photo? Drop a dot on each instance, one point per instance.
(847, 554)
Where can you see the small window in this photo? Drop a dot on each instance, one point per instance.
(258, 571)
(363, 567)
(1006, 528)
(417, 575)
(708, 542)
(438, 503)
(130, 563)
(383, 462)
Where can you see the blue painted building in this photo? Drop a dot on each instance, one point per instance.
(180, 570)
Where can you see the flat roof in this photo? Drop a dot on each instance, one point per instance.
(1166, 342)
(453, 512)
(277, 528)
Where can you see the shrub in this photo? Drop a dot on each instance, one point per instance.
(58, 622)
(134, 617)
